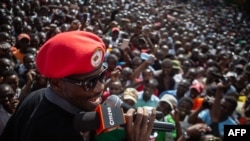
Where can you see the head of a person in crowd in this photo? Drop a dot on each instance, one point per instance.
(126, 73)
(195, 54)
(6, 28)
(202, 58)
(6, 64)
(142, 43)
(204, 47)
(35, 5)
(210, 90)
(136, 61)
(185, 105)
(130, 96)
(228, 105)
(116, 88)
(75, 25)
(5, 50)
(231, 76)
(27, 29)
(106, 41)
(224, 57)
(167, 104)
(8, 3)
(180, 50)
(42, 37)
(212, 63)
(149, 88)
(6, 19)
(147, 74)
(176, 65)
(196, 89)
(23, 42)
(191, 74)
(43, 11)
(112, 61)
(8, 98)
(186, 64)
(181, 58)
(39, 24)
(188, 47)
(79, 77)
(18, 24)
(65, 27)
(15, 9)
(34, 41)
(4, 37)
(136, 52)
(167, 66)
(11, 77)
(29, 61)
(115, 33)
(117, 52)
(59, 18)
(182, 88)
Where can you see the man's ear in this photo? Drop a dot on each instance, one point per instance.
(56, 84)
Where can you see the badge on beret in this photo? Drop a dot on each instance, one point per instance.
(96, 58)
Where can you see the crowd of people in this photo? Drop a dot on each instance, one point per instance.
(186, 59)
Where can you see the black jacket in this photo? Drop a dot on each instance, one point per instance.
(37, 119)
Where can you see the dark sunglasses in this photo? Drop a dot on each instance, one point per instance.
(9, 96)
(89, 83)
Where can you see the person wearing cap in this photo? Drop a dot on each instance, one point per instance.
(130, 96)
(22, 44)
(166, 105)
(195, 91)
(73, 62)
(114, 36)
(178, 72)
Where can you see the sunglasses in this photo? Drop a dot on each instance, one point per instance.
(9, 96)
(89, 83)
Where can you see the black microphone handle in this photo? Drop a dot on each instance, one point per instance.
(160, 126)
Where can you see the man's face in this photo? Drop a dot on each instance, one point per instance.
(225, 108)
(8, 98)
(78, 94)
(116, 88)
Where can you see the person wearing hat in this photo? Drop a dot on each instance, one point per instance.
(23, 43)
(178, 72)
(73, 63)
(130, 96)
(195, 91)
(166, 105)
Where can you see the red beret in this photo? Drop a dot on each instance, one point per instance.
(68, 53)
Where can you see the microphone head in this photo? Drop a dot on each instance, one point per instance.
(113, 101)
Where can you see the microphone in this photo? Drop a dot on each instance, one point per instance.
(115, 101)
(103, 119)
(106, 118)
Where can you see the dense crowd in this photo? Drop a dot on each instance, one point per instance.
(187, 59)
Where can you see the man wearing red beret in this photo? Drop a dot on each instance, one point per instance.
(73, 63)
